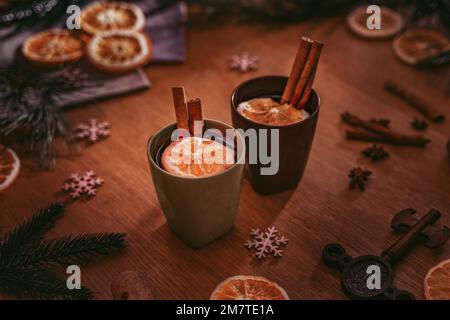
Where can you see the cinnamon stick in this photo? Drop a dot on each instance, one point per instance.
(414, 101)
(195, 117)
(297, 67)
(363, 135)
(307, 92)
(310, 67)
(387, 135)
(179, 102)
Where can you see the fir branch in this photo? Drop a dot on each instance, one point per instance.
(29, 106)
(67, 250)
(38, 283)
(26, 267)
(30, 230)
(268, 10)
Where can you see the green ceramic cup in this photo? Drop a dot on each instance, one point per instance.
(198, 210)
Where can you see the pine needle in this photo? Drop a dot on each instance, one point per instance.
(40, 284)
(67, 250)
(29, 108)
(30, 230)
(27, 262)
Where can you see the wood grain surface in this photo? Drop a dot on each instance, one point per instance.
(321, 210)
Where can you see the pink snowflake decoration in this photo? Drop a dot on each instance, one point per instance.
(94, 130)
(244, 62)
(79, 184)
(265, 243)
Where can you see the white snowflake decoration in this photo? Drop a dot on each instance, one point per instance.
(79, 184)
(244, 62)
(93, 130)
(266, 243)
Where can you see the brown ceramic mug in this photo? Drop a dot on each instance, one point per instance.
(295, 140)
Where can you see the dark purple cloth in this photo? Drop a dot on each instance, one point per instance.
(164, 24)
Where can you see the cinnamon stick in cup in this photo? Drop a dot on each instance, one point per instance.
(297, 67)
(195, 115)
(309, 68)
(179, 102)
(307, 92)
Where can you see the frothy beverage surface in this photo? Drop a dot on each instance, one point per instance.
(196, 157)
(268, 111)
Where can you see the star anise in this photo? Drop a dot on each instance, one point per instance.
(419, 124)
(358, 178)
(375, 152)
(382, 122)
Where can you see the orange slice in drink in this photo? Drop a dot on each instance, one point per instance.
(53, 47)
(268, 111)
(248, 288)
(9, 167)
(101, 17)
(196, 157)
(119, 51)
(437, 282)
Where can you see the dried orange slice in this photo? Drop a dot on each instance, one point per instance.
(9, 167)
(391, 23)
(101, 17)
(437, 282)
(268, 111)
(196, 157)
(248, 288)
(119, 51)
(52, 47)
(415, 45)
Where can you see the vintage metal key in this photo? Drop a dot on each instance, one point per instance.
(354, 271)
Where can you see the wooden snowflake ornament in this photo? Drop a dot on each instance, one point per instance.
(266, 243)
(79, 184)
(94, 130)
(244, 62)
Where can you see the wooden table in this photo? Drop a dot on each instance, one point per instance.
(320, 210)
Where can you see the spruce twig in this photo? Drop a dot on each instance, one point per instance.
(30, 230)
(29, 100)
(27, 262)
(40, 284)
(67, 250)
